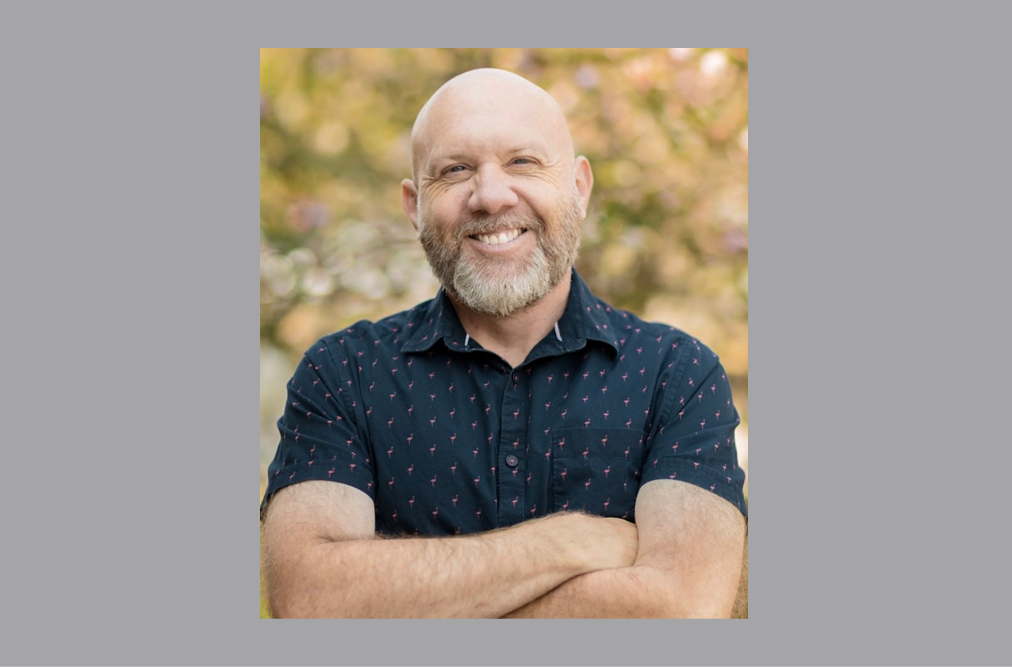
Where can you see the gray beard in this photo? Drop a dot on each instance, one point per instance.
(487, 285)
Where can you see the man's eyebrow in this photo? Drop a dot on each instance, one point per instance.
(461, 157)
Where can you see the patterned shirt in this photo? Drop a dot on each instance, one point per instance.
(447, 438)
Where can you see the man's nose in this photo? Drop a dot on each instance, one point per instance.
(492, 192)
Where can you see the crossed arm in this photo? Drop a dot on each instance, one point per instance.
(321, 558)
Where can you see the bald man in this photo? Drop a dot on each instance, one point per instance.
(514, 447)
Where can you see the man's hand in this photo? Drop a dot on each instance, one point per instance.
(613, 543)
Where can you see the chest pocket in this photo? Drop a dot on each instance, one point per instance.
(597, 470)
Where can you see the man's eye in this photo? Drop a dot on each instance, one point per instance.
(456, 169)
(523, 160)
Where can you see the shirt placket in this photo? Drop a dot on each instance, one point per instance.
(512, 462)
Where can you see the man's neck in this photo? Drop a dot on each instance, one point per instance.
(513, 337)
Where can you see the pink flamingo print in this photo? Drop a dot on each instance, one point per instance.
(565, 506)
(606, 503)
(476, 480)
(435, 513)
(433, 481)
(411, 503)
(432, 450)
(533, 510)
(330, 472)
(604, 441)
(606, 471)
(627, 451)
(410, 469)
(390, 452)
(565, 471)
(352, 466)
(453, 469)
(453, 438)
(585, 452)
(454, 500)
(515, 501)
(390, 484)
(410, 438)
(586, 485)
(564, 413)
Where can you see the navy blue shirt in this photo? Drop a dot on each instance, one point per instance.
(447, 438)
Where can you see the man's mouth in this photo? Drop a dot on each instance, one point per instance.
(499, 238)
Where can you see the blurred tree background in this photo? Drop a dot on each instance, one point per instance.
(665, 130)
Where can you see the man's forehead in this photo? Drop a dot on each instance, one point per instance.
(489, 106)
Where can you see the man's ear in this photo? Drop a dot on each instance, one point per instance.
(584, 179)
(409, 200)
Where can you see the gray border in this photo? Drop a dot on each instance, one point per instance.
(136, 549)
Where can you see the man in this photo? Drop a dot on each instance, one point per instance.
(514, 447)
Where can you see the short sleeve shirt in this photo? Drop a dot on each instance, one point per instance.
(447, 438)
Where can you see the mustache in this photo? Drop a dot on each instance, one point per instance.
(498, 223)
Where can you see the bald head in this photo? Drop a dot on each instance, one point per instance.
(489, 103)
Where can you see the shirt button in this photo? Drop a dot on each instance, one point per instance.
(512, 461)
(516, 378)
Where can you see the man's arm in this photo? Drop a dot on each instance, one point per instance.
(688, 566)
(322, 559)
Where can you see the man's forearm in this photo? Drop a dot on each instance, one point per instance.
(483, 575)
(628, 592)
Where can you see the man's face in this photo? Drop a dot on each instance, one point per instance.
(502, 280)
(498, 212)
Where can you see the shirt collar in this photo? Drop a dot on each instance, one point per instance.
(586, 318)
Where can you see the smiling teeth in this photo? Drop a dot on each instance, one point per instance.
(500, 238)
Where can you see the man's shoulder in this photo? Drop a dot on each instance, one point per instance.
(636, 333)
(386, 333)
(630, 325)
